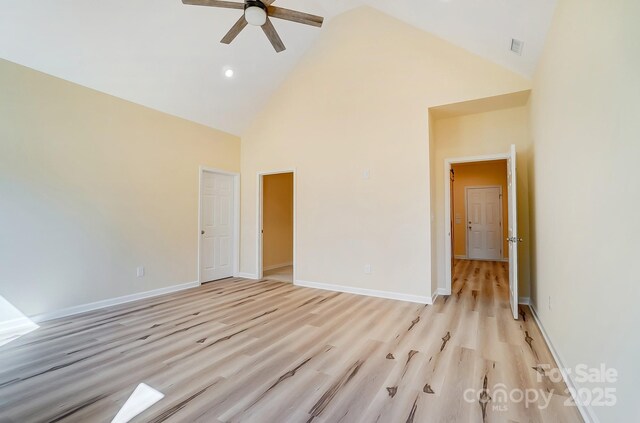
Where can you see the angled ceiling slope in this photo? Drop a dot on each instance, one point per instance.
(167, 56)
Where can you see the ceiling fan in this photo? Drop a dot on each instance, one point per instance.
(257, 13)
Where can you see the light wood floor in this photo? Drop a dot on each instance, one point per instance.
(281, 274)
(239, 350)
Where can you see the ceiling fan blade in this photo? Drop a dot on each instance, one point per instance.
(234, 31)
(272, 35)
(215, 3)
(295, 16)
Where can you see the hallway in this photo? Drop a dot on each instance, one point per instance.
(496, 352)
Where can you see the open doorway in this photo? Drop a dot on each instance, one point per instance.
(277, 226)
(481, 210)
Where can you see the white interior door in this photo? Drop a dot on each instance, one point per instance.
(513, 232)
(484, 223)
(217, 215)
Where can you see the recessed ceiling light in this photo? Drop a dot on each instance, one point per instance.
(229, 73)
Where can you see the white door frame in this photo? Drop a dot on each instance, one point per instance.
(466, 217)
(447, 207)
(236, 216)
(259, 252)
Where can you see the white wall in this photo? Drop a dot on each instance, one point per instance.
(586, 129)
(91, 187)
(359, 101)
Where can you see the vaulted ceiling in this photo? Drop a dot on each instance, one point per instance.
(167, 56)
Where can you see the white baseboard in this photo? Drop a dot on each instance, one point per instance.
(439, 292)
(586, 411)
(364, 291)
(443, 291)
(277, 266)
(70, 311)
(246, 275)
(524, 301)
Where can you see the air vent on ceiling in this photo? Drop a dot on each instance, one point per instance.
(516, 46)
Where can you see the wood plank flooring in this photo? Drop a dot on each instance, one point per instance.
(282, 274)
(246, 351)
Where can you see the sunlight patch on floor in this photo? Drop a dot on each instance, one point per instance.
(13, 323)
(141, 399)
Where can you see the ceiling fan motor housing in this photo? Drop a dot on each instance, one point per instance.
(255, 12)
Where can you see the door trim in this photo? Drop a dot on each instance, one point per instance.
(236, 216)
(447, 209)
(259, 258)
(466, 218)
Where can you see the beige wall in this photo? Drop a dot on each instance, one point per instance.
(479, 134)
(91, 187)
(586, 129)
(277, 220)
(476, 174)
(359, 101)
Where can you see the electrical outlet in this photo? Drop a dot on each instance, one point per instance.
(140, 271)
(367, 269)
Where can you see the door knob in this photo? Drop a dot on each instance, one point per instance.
(201, 232)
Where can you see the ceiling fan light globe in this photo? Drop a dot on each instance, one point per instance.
(255, 16)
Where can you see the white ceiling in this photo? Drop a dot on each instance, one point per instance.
(167, 56)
